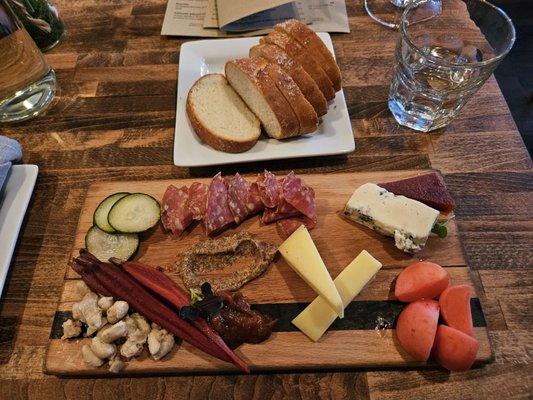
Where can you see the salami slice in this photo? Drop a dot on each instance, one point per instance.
(299, 196)
(197, 202)
(218, 214)
(284, 210)
(269, 189)
(254, 203)
(175, 215)
(238, 193)
(287, 226)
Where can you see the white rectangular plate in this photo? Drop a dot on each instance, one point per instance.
(198, 58)
(14, 199)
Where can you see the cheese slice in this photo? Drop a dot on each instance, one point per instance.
(318, 316)
(408, 221)
(302, 255)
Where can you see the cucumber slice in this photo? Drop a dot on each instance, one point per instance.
(106, 245)
(102, 211)
(134, 213)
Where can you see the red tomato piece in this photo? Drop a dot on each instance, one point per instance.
(454, 305)
(416, 328)
(454, 350)
(421, 280)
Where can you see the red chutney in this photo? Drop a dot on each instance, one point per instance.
(237, 323)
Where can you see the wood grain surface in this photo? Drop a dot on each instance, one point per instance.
(338, 240)
(113, 119)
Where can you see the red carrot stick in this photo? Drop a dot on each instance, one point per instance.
(166, 288)
(123, 286)
(90, 280)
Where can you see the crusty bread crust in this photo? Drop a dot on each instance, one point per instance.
(212, 138)
(290, 125)
(306, 59)
(310, 41)
(289, 89)
(307, 85)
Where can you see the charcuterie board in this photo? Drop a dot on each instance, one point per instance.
(364, 338)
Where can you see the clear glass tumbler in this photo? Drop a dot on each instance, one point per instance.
(27, 83)
(446, 51)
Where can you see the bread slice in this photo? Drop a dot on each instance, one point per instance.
(219, 116)
(307, 85)
(310, 41)
(306, 59)
(260, 93)
(304, 111)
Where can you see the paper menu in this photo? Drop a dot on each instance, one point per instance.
(200, 17)
(233, 10)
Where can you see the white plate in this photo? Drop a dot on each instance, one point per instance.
(14, 199)
(198, 58)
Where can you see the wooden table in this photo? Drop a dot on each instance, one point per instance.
(114, 119)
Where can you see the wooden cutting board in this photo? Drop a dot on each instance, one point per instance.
(364, 338)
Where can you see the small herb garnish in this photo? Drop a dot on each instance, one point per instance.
(196, 295)
(440, 230)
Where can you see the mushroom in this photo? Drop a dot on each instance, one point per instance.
(89, 357)
(71, 329)
(160, 342)
(117, 311)
(138, 330)
(88, 311)
(116, 364)
(110, 333)
(82, 288)
(102, 349)
(105, 302)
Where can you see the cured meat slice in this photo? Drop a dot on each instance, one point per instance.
(238, 193)
(283, 210)
(175, 214)
(197, 201)
(218, 214)
(428, 189)
(269, 189)
(254, 203)
(301, 197)
(287, 226)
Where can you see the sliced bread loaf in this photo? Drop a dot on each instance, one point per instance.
(219, 116)
(307, 85)
(304, 57)
(260, 93)
(306, 37)
(304, 111)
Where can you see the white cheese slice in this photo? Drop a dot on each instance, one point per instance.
(302, 255)
(407, 220)
(318, 316)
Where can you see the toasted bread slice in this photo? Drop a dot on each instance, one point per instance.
(260, 93)
(307, 85)
(219, 116)
(306, 59)
(310, 41)
(289, 89)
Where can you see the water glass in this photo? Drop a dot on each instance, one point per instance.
(446, 51)
(41, 20)
(27, 83)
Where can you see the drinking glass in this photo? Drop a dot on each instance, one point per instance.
(446, 51)
(386, 12)
(27, 83)
(41, 20)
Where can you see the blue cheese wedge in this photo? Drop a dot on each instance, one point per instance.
(408, 221)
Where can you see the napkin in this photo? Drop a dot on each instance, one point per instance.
(10, 151)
